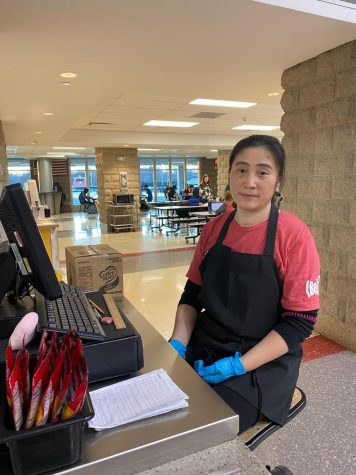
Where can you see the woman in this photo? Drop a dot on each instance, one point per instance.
(256, 274)
(205, 190)
(228, 204)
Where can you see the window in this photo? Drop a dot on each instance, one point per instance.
(19, 170)
(146, 175)
(193, 172)
(162, 177)
(158, 173)
(178, 172)
(83, 174)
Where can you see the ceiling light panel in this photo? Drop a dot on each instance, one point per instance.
(219, 103)
(69, 148)
(68, 75)
(256, 127)
(170, 123)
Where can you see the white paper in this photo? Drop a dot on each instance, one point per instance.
(137, 398)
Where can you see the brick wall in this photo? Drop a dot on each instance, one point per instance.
(223, 170)
(109, 163)
(319, 124)
(4, 175)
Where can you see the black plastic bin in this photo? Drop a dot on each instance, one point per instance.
(44, 448)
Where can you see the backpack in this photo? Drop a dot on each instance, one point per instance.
(91, 209)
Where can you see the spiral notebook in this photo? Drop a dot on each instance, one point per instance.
(137, 398)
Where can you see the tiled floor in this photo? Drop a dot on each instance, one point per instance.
(322, 438)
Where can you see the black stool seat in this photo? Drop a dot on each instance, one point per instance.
(256, 434)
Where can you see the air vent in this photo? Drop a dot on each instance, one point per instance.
(100, 123)
(207, 115)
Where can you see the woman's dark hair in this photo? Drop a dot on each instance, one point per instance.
(272, 144)
(196, 192)
(86, 190)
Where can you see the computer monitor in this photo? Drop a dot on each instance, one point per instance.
(27, 247)
(123, 199)
(214, 205)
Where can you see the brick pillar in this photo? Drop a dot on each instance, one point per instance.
(109, 163)
(223, 170)
(4, 175)
(319, 124)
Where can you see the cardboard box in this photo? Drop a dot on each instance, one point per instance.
(93, 268)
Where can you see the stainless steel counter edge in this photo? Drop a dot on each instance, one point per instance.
(160, 451)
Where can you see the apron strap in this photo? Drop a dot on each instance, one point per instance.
(271, 230)
(225, 228)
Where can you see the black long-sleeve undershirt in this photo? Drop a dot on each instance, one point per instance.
(294, 327)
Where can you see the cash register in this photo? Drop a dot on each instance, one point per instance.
(29, 283)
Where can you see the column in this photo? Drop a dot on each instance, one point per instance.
(109, 163)
(45, 180)
(319, 124)
(222, 162)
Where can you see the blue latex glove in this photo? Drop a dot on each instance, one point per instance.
(221, 370)
(179, 347)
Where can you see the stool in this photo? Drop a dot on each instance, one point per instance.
(256, 434)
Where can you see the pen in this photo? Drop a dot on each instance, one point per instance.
(100, 310)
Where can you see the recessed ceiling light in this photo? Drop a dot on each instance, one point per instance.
(47, 113)
(272, 94)
(33, 143)
(149, 149)
(68, 75)
(39, 132)
(256, 127)
(170, 123)
(218, 103)
(68, 148)
(126, 145)
(66, 83)
(57, 155)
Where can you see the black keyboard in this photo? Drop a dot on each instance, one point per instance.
(72, 311)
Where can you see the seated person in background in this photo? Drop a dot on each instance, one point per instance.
(172, 193)
(186, 193)
(252, 293)
(149, 193)
(165, 191)
(205, 190)
(228, 204)
(195, 198)
(85, 199)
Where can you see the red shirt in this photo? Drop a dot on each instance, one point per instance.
(294, 253)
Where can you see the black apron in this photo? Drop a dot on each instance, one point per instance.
(241, 295)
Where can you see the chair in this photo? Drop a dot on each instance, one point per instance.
(256, 434)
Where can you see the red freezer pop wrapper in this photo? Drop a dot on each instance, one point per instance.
(15, 393)
(62, 390)
(39, 384)
(10, 362)
(46, 404)
(26, 382)
(74, 406)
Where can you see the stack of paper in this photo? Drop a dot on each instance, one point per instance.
(138, 398)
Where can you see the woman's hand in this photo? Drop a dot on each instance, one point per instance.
(221, 370)
(179, 347)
